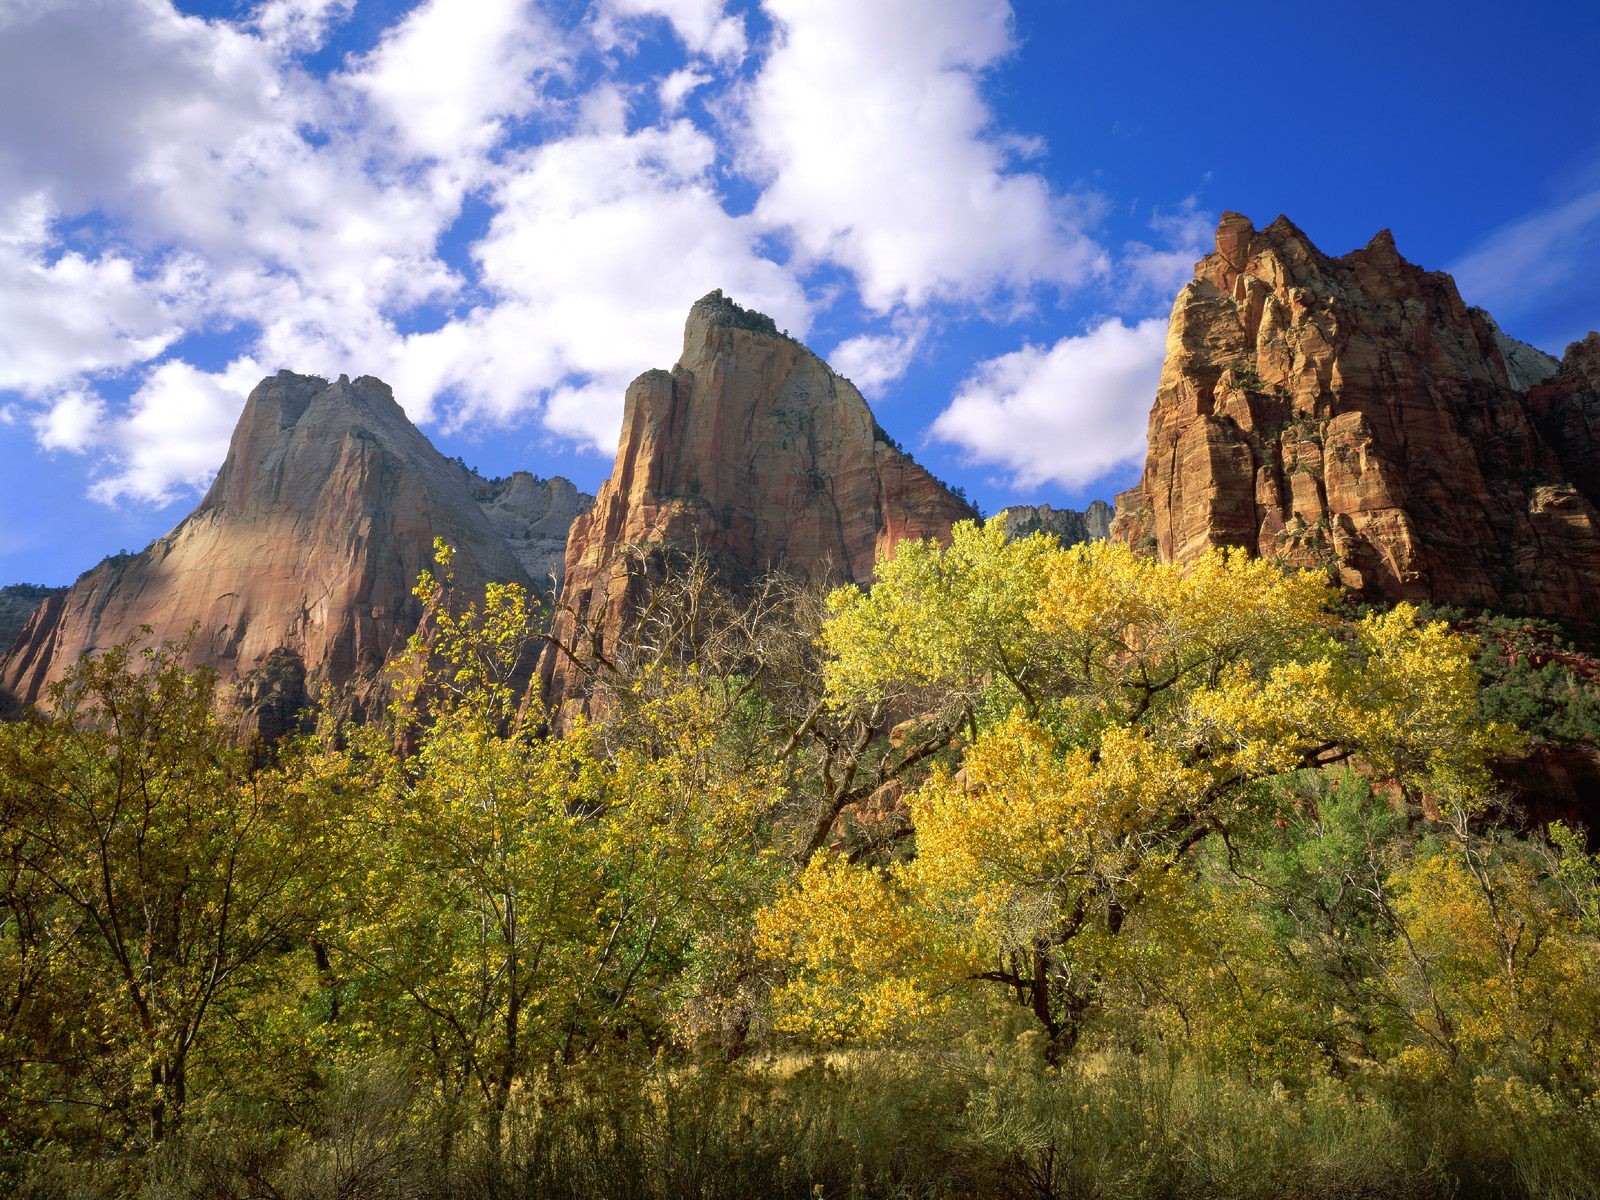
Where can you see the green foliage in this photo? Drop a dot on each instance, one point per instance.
(1111, 879)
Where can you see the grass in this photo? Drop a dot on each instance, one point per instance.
(904, 1126)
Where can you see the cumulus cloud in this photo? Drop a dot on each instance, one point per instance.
(73, 422)
(299, 25)
(868, 129)
(223, 187)
(599, 245)
(678, 86)
(871, 361)
(74, 315)
(481, 210)
(1068, 414)
(175, 432)
(449, 76)
(704, 26)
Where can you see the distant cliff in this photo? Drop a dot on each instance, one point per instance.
(752, 451)
(296, 569)
(1354, 414)
(17, 603)
(1070, 527)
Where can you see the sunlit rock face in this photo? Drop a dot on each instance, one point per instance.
(1354, 414)
(296, 570)
(753, 452)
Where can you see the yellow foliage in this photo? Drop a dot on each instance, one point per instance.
(1130, 708)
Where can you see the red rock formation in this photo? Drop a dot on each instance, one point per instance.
(299, 562)
(754, 452)
(1353, 413)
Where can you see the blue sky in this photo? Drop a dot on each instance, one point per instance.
(979, 212)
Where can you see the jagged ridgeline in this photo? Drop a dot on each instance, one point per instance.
(1354, 413)
(297, 567)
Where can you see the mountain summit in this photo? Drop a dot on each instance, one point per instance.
(1354, 413)
(301, 558)
(754, 452)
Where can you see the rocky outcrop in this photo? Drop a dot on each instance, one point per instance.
(295, 572)
(753, 452)
(1352, 413)
(1069, 526)
(17, 603)
(533, 516)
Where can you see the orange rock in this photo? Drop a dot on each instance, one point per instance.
(752, 451)
(1353, 414)
(301, 558)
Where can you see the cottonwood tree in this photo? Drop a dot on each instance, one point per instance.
(153, 879)
(1121, 712)
(528, 895)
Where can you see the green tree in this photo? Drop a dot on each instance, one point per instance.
(154, 879)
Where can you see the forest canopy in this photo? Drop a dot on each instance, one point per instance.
(1016, 816)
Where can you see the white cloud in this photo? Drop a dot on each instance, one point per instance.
(867, 127)
(450, 75)
(74, 315)
(600, 244)
(302, 25)
(704, 26)
(175, 434)
(678, 86)
(1069, 414)
(1544, 254)
(73, 423)
(872, 360)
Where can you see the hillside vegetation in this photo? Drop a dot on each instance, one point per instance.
(1028, 871)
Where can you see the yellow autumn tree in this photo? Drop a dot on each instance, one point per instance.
(1123, 711)
(528, 895)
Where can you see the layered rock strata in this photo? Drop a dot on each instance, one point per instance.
(1354, 414)
(296, 569)
(752, 452)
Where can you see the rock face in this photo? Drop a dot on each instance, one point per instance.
(1093, 524)
(752, 451)
(1352, 413)
(17, 603)
(298, 565)
(532, 515)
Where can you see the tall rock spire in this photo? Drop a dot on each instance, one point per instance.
(752, 451)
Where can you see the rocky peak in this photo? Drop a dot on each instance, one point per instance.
(533, 516)
(17, 603)
(297, 566)
(1070, 527)
(716, 311)
(1354, 414)
(751, 451)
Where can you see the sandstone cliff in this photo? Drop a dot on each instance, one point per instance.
(17, 604)
(1071, 527)
(296, 569)
(1353, 413)
(752, 451)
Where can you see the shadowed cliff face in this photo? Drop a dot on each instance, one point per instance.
(1353, 413)
(1069, 526)
(752, 451)
(302, 556)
